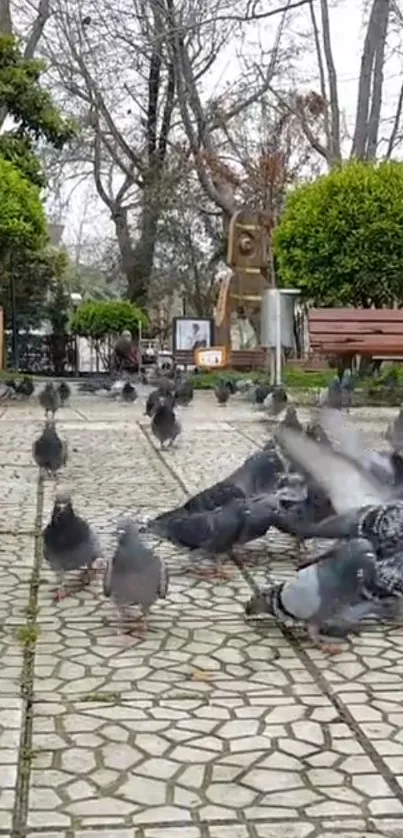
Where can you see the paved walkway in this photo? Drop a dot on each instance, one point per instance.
(211, 727)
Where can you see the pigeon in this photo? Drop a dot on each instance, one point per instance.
(165, 386)
(364, 507)
(319, 592)
(128, 392)
(134, 575)
(94, 385)
(164, 424)
(231, 386)
(153, 400)
(116, 388)
(212, 533)
(244, 385)
(64, 392)
(222, 392)
(69, 544)
(291, 419)
(332, 396)
(276, 401)
(184, 392)
(394, 433)
(49, 451)
(261, 392)
(25, 387)
(50, 399)
(233, 511)
(259, 473)
(315, 431)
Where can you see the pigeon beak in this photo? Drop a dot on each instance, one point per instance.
(60, 507)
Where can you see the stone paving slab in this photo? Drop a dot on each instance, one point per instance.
(212, 727)
(10, 729)
(18, 499)
(302, 829)
(191, 656)
(186, 759)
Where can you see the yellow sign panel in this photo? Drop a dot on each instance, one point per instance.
(214, 357)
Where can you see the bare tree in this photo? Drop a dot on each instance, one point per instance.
(319, 112)
(202, 124)
(135, 71)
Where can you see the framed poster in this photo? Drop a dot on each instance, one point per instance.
(213, 358)
(191, 333)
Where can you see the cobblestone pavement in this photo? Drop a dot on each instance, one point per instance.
(209, 728)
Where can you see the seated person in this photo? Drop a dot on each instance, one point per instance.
(125, 353)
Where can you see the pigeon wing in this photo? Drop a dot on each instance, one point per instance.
(349, 440)
(348, 485)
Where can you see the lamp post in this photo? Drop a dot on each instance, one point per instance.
(14, 327)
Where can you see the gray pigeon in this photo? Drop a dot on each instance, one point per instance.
(261, 392)
(259, 473)
(184, 392)
(315, 431)
(276, 401)
(153, 400)
(222, 392)
(69, 544)
(165, 386)
(50, 398)
(364, 507)
(134, 575)
(128, 392)
(49, 451)
(332, 396)
(165, 425)
(319, 592)
(291, 419)
(64, 392)
(244, 385)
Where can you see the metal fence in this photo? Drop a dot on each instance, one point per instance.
(40, 354)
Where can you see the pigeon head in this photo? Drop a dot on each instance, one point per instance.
(62, 503)
(125, 527)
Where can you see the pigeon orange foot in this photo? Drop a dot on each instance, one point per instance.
(323, 645)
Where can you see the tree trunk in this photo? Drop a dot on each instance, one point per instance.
(369, 90)
(137, 259)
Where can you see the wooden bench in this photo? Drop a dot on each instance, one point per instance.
(350, 331)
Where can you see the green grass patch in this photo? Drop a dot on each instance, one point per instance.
(292, 378)
(27, 635)
(100, 698)
(390, 378)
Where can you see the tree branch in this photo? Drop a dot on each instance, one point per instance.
(38, 26)
(372, 43)
(377, 83)
(335, 151)
(396, 126)
(322, 77)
